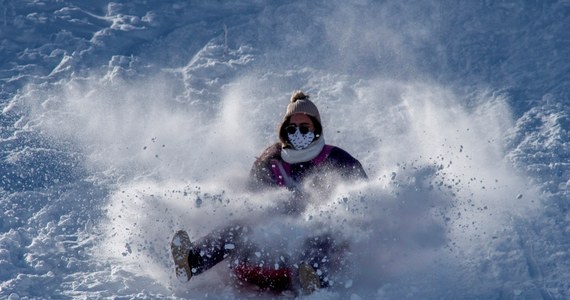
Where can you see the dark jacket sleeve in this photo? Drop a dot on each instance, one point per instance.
(348, 166)
(261, 175)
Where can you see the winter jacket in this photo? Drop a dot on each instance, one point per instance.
(271, 170)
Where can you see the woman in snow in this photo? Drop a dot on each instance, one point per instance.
(302, 163)
(301, 156)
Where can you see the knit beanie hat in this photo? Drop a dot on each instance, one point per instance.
(300, 103)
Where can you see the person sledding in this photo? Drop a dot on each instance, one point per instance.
(303, 163)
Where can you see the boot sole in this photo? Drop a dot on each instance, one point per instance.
(180, 249)
(309, 279)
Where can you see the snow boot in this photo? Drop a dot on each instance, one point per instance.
(308, 279)
(180, 248)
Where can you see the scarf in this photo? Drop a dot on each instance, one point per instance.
(293, 156)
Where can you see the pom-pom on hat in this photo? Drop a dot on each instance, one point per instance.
(300, 103)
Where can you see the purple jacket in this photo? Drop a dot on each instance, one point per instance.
(267, 170)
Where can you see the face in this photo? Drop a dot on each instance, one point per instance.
(300, 131)
(302, 120)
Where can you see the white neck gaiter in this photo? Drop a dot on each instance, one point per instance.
(293, 156)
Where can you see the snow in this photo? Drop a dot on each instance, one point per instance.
(125, 121)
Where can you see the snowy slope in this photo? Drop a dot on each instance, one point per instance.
(125, 121)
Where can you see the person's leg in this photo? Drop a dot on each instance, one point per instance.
(216, 246)
(194, 258)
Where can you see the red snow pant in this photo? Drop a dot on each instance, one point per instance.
(268, 269)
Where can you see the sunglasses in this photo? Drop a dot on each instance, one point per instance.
(292, 128)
